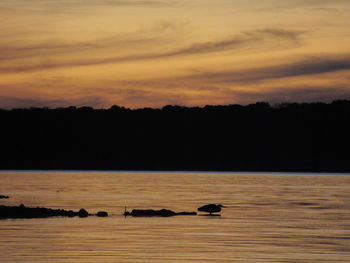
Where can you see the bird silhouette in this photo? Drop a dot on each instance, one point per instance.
(211, 208)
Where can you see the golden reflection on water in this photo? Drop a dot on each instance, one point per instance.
(290, 218)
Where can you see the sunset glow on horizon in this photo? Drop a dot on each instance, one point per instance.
(150, 53)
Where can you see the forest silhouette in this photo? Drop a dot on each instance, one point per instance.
(308, 137)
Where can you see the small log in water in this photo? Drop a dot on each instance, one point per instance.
(156, 213)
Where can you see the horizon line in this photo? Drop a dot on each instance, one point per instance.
(265, 103)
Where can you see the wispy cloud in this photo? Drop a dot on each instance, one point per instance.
(245, 39)
(59, 6)
(292, 94)
(311, 65)
(158, 32)
(265, 38)
(288, 5)
(258, 84)
(212, 95)
(7, 102)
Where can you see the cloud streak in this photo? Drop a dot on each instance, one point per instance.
(303, 67)
(293, 94)
(156, 33)
(36, 6)
(249, 85)
(250, 39)
(245, 39)
(288, 5)
(7, 102)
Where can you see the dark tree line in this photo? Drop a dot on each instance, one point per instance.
(256, 137)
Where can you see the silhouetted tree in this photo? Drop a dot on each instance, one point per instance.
(285, 137)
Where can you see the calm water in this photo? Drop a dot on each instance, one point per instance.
(270, 218)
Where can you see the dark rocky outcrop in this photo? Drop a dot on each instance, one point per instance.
(156, 213)
(211, 208)
(4, 197)
(102, 214)
(186, 213)
(83, 213)
(151, 212)
(22, 211)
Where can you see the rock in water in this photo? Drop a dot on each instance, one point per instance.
(22, 211)
(102, 214)
(83, 213)
(159, 213)
(151, 212)
(211, 208)
(186, 213)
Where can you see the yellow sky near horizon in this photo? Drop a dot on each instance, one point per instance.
(150, 53)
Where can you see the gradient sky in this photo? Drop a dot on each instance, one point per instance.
(150, 53)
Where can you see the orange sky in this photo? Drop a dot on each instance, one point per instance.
(150, 53)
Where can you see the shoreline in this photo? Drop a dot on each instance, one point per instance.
(173, 171)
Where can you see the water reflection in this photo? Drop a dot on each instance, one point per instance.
(270, 218)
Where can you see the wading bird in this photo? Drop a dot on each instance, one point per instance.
(211, 208)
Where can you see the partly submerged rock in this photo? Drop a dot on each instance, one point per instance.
(102, 214)
(151, 212)
(158, 213)
(186, 213)
(211, 208)
(83, 213)
(22, 211)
